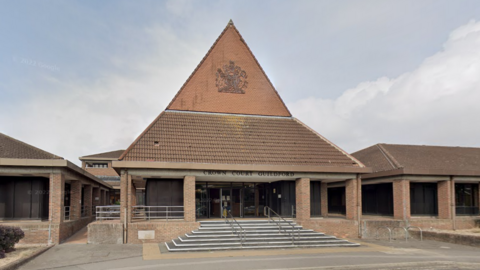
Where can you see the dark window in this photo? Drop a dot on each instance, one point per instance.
(315, 201)
(377, 199)
(336, 200)
(466, 199)
(423, 199)
(24, 198)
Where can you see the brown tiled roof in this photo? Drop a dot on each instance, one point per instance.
(108, 155)
(200, 92)
(12, 148)
(385, 157)
(233, 139)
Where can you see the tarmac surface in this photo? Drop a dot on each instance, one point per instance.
(372, 254)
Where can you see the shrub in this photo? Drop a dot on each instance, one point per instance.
(9, 236)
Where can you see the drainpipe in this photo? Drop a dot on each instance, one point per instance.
(452, 198)
(359, 202)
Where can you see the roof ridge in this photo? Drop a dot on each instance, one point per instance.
(230, 24)
(389, 157)
(140, 136)
(360, 164)
(31, 146)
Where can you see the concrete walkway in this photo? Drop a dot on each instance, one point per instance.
(79, 237)
(371, 255)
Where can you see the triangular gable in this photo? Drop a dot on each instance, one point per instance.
(229, 80)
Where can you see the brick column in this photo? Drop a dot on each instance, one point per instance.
(359, 197)
(75, 198)
(302, 194)
(324, 199)
(444, 199)
(88, 200)
(189, 198)
(56, 197)
(351, 199)
(123, 195)
(401, 199)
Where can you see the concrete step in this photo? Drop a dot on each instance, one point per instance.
(236, 238)
(248, 228)
(252, 231)
(249, 234)
(258, 243)
(172, 248)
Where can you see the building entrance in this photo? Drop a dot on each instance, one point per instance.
(244, 200)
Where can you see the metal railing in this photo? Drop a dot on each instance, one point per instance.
(67, 213)
(157, 212)
(267, 211)
(84, 210)
(109, 212)
(420, 229)
(242, 234)
(406, 229)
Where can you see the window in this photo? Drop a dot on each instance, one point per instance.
(466, 199)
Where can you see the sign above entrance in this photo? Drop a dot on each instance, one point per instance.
(250, 173)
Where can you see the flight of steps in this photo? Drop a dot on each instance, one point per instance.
(259, 234)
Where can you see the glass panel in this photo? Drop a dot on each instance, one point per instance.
(249, 209)
(236, 201)
(201, 200)
(215, 209)
(226, 201)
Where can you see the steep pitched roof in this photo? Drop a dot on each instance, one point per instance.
(234, 139)
(106, 155)
(229, 79)
(412, 158)
(12, 148)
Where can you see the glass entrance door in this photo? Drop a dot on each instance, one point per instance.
(226, 201)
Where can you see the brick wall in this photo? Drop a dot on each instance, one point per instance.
(444, 195)
(56, 197)
(189, 198)
(164, 231)
(302, 196)
(401, 199)
(342, 228)
(351, 199)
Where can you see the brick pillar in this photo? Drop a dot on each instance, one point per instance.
(302, 194)
(324, 199)
(401, 199)
(88, 200)
(123, 195)
(75, 198)
(56, 197)
(351, 199)
(189, 198)
(444, 198)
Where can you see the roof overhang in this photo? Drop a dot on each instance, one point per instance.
(50, 163)
(119, 165)
(96, 159)
(432, 172)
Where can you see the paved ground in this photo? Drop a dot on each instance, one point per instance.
(371, 255)
(79, 237)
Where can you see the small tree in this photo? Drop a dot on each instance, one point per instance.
(9, 236)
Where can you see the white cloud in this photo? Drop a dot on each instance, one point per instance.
(437, 103)
(80, 117)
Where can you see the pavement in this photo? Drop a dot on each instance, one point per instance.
(79, 237)
(372, 254)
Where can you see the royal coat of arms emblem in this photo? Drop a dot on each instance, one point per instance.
(232, 79)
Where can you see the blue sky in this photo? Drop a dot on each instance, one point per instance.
(81, 77)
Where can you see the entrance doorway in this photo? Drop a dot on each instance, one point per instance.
(243, 199)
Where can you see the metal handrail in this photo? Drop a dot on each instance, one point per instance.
(242, 230)
(421, 232)
(156, 212)
(389, 233)
(270, 210)
(406, 232)
(108, 212)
